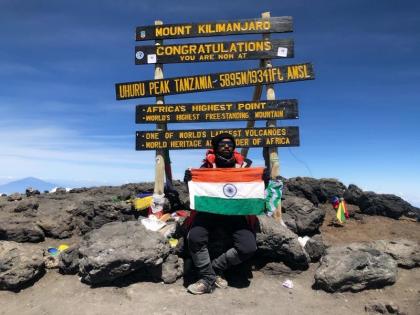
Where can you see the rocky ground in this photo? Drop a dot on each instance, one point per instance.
(369, 265)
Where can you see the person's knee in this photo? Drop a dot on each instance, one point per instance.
(197, 238)
(247, 248)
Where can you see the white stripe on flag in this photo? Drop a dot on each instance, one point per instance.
(244, 190)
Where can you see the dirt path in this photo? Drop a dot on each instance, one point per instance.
(57, 294)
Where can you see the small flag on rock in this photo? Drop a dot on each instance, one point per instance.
(229, 191)
(342, 213)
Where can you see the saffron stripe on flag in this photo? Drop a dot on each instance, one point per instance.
(229, 206)
(220, 175)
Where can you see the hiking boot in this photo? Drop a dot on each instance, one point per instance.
(200, 287)
(221, 283)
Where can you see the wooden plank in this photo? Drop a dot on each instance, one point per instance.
(215, 51)
(201, 138)
(211, 112)
(160, 162)
(280, 24)
(214, 81)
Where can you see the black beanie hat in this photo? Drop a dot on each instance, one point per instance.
(215, 140)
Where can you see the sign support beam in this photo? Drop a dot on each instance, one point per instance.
(162, 155)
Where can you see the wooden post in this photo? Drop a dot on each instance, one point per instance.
(273, 157)
(160, 160)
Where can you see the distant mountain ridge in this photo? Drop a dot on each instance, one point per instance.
(20, 185)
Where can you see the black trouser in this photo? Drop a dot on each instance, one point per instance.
(244, 243)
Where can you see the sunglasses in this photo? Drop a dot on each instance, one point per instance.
(224, 143)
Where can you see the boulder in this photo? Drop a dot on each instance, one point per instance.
(355, 268)
(118, 249)
(92, 214)
(315, 247)
(316, 191)
(374, 308)
(20, 265)
(405, 252)
(25, 205)
(353, 194)
(172, 269)
(301, 216)
(68, 263)
(20, 230)
(384, 204)
(14, 197)
(31, 192)
(59, 225)
(277, 243)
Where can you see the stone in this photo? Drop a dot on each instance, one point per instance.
(20, 230)
(59, 225)
(301, 216)
(316, 191)
(354, 268)
(405, 252)
(118, 249)
(31, 192)
(20, 265)
(383, 308)
(353, 194)
(315, 247)
(277, 243)
(26, 205)
(68, 263)
(172, 269)
(384, 204)
(277, 269)
(14, 197)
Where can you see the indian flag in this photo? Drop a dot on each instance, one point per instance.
(229, 191)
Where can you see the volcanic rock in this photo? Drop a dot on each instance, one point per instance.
(278, 243)
(405, 252)
(315, 247)
(354, 268)
(69, 260)
(384, 204)
(301, 216)
(25, 205)
(14, 197)
(172, 269)
(20, 265)
(118, 249)
(316, 191)
(20, 230)
(353, 194)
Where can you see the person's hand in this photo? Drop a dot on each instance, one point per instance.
(187, 176)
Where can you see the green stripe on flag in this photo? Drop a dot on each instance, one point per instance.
(229, 206)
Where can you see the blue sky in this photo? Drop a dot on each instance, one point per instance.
(59, 61)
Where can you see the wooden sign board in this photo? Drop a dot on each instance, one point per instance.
(210, 112)
(200, 139)
(214, 81)
(215, 51)
(249, 26)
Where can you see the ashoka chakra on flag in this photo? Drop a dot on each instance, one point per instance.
(229, 191)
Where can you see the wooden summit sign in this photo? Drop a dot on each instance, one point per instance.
(214, 51)
(199, 139)
(224, 111)
(249, 26)
(214, 81)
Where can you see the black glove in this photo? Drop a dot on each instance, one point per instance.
(248, 162)
(266, 176)
(187, 176)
